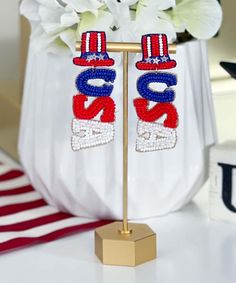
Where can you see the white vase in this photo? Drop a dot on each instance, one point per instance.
(89, 182)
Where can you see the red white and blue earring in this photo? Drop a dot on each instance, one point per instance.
(151, 134)
(93, 124)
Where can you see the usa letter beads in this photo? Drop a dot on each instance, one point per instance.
(153, 135)
(92, 100)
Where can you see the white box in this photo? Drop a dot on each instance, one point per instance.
(222, 197)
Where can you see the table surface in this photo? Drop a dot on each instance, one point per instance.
(191, 248)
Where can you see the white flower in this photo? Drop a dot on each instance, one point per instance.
(122, 27)
(99, 22)
(160, 4)
(151, 18)
(201, 18)
(82, 6)
(55, 22)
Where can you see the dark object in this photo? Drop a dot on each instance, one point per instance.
(184, 37)
(230, 68)
(227, 185)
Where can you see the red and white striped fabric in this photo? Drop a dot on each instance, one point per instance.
(26, 219)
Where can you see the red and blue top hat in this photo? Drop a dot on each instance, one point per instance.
(93, 50)
(155, 53)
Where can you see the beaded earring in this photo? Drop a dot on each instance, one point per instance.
(88, 132)
(151, 135)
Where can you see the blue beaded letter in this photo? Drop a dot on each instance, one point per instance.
(107, 75)
(168, 95)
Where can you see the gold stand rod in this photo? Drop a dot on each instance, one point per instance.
(127, 46)
(125, 143)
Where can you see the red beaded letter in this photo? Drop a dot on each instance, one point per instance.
(105, 104)
(151, 115)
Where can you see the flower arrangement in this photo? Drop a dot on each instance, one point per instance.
(57, 24)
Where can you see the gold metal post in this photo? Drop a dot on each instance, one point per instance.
(125, 229)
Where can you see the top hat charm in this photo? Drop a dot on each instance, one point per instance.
(155, 53)
(93, 50)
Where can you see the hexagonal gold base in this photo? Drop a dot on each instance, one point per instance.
(115, 248)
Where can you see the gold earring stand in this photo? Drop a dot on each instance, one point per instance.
(123, 243)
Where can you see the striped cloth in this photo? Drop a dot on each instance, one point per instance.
(26, 219)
